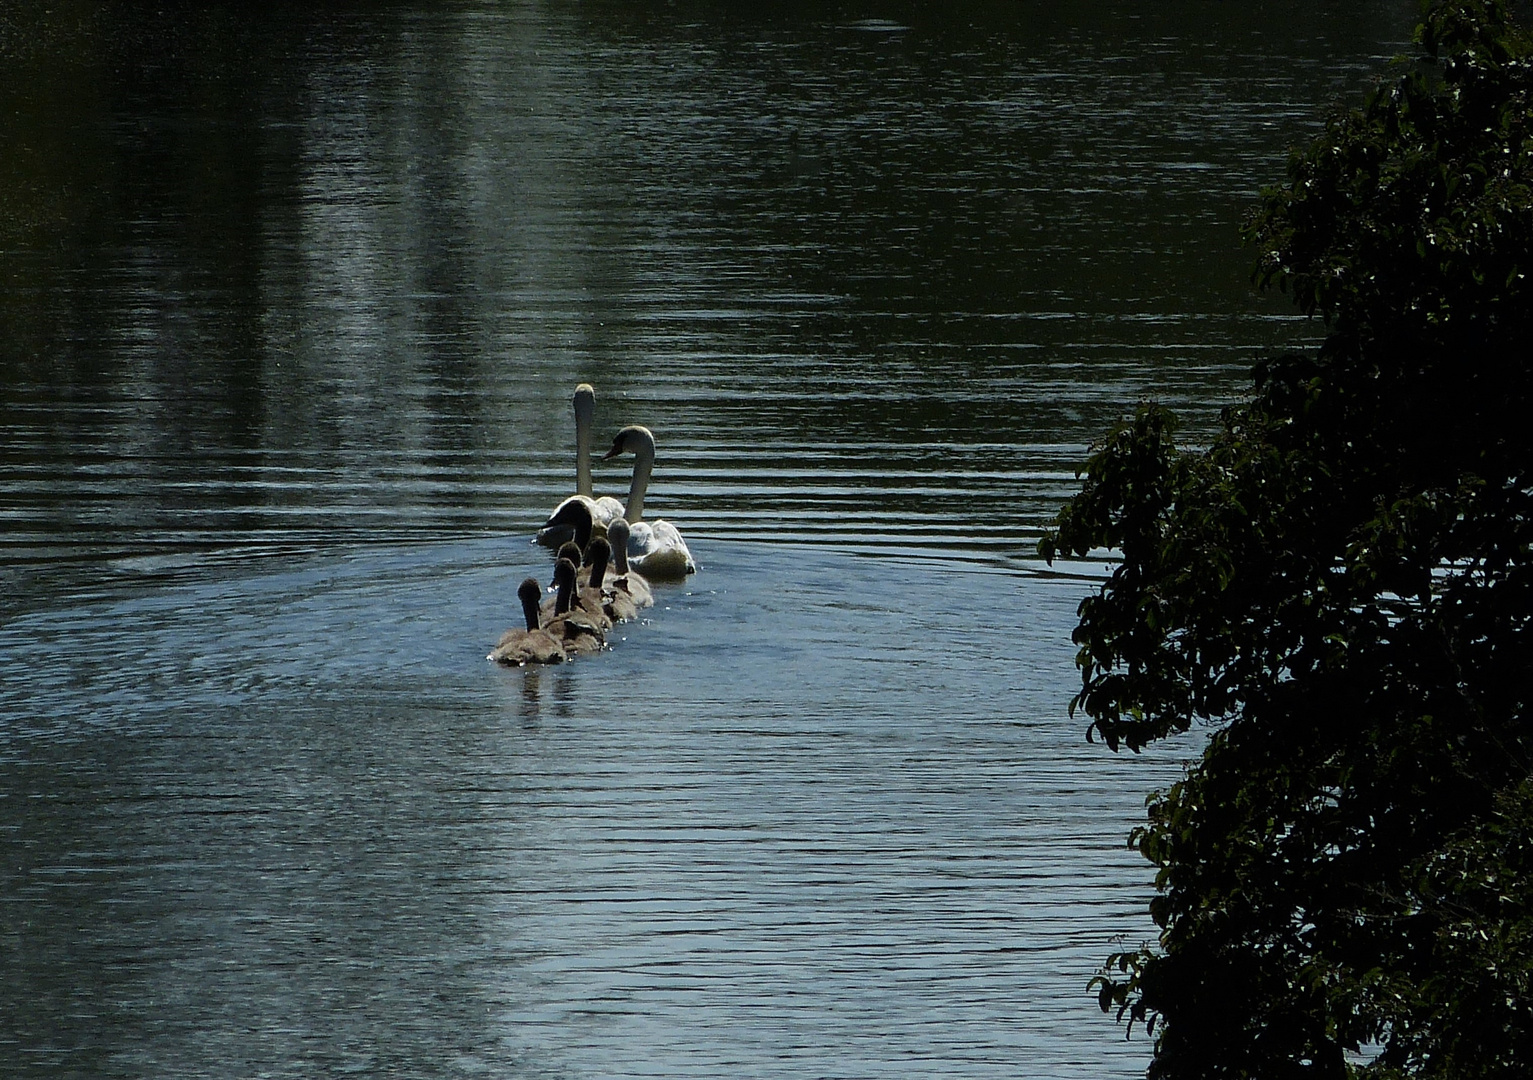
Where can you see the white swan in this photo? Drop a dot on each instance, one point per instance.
(655, 548)
(603, 510)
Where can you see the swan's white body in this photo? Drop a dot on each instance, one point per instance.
(655, 548)
(603, 510)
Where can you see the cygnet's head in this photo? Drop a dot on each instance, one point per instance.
(529, 593)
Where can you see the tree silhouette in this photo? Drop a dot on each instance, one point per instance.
(1342, 586)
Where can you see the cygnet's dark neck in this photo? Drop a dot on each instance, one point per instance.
(598, 553)
(530, 593)
(617, 537)
(564, 577)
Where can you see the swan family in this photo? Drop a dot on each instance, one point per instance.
(592, 536)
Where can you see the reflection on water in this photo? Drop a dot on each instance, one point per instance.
(293, 303)
(332, 275)
(798, 823)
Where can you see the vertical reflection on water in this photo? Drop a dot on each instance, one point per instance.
(802, 822)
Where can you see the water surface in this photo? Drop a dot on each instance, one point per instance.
(794, 824)
(306, 277)
(294, 302)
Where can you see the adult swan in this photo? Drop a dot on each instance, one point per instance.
(554, 532)
(655, 548)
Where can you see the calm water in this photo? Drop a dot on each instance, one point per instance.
(293, 304)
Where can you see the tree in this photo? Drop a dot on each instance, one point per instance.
(1341, 586)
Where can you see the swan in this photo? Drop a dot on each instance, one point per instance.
(627, 579)
(583, 598)
(588, 577)
(532, 644)
(619, 606)
(568, 550)
(616, 604)
(588, 595)
(655, 548)
(571, 624)
(603, 510)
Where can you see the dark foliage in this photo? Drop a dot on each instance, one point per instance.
(1342, 584)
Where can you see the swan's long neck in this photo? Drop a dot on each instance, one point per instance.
(585, 414)
(643, 466)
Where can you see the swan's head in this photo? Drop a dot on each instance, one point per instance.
(632, 440)
(572, 519)
(585, 400)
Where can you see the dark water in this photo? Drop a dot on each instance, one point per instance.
(293, 302)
